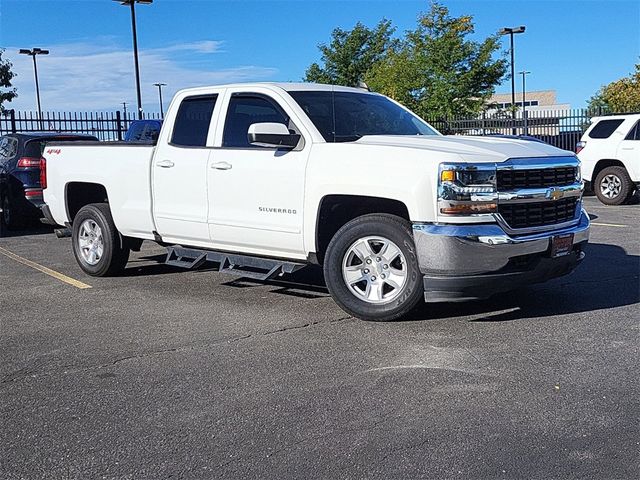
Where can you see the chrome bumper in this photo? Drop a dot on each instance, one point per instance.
(478, 255)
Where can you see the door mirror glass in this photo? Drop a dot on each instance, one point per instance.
(274, 135)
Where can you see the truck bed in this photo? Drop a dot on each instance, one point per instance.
(123, 169)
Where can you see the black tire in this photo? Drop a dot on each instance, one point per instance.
(616, 174)
(386, 227)
(9, 216)
(114, 256)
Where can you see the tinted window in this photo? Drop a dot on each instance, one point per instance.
(245, 110)
(192, 122)
(347, 116)
(604, 128)
(634, 134)
(8, 147)
(146, 131)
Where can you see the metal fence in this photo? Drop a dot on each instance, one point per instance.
(106, 126)
(561, 128)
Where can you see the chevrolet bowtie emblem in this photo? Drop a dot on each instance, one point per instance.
(554, 194)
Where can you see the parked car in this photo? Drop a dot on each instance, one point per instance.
(265, 179)
(610, 154)
(143, 131)
(20, 189)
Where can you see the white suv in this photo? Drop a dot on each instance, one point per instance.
(610, 154)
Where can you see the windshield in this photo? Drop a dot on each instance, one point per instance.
(347, 116)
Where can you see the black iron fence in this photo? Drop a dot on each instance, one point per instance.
(107, 126)
(561, 128)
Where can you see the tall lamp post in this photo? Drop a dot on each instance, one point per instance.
(524, 74)
(33, 52)
(160, 85)
(511, 31)
(132, 5)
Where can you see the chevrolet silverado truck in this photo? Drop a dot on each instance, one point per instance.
(265, 179)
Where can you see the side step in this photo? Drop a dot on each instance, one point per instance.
(256, 268)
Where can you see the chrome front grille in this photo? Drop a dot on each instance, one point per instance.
(538, 194)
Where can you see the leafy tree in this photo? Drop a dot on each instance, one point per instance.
(6, 92)
(620, 96)
(351, 54)
(435, 70)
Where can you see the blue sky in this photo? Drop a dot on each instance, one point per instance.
(571, 46)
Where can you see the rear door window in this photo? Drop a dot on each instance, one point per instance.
(604, 128)
(192, 121)
(634, 133)
(8, 148)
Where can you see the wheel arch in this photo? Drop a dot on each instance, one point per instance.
(80, 194)
(604, 163)
(335, 210)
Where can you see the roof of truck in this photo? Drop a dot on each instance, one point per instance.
(289, 86)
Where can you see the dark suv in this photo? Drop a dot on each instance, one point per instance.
(20, 188)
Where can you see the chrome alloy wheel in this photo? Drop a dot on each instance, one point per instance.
(610, 186)
(374, 269)
(90, 242)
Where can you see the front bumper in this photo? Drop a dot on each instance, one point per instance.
(465, 262)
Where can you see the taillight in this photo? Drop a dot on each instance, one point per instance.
(580, 146)
(43, 173)
(28, 162)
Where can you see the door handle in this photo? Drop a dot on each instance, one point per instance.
(221, 166)
(627, 148)
(165, 163)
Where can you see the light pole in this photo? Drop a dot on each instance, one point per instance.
(524, 74)
(124, 107)
(33, 52)
(511, 31)
(160, 85)
(132, 4)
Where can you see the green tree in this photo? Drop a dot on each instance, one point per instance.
(620, 96)
(7, 93)
(436, 69)
(351, 54)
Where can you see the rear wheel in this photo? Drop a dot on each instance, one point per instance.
(97, 243)
(8, 218)
(371, 269)
(613, 186)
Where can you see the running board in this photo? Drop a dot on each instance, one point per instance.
(256, 268)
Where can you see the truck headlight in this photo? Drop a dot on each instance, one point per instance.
(467, 189)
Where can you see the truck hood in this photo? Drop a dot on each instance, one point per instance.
(468, 148)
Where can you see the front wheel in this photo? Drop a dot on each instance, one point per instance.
(613, 186)
(97, 245)
(371, 268)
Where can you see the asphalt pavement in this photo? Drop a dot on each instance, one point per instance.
(167, 373)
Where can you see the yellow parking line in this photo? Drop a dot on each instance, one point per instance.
(609, 225)
(45, 270)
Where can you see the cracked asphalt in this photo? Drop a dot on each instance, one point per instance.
(165, 373)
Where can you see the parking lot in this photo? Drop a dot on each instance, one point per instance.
(166, 373)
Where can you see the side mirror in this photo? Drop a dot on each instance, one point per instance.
(272, 135)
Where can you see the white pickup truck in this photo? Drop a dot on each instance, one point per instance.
(265, 179)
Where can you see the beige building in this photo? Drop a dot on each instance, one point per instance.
(544, 113)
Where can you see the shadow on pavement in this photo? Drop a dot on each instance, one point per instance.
(607, 278)
(34, 229)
